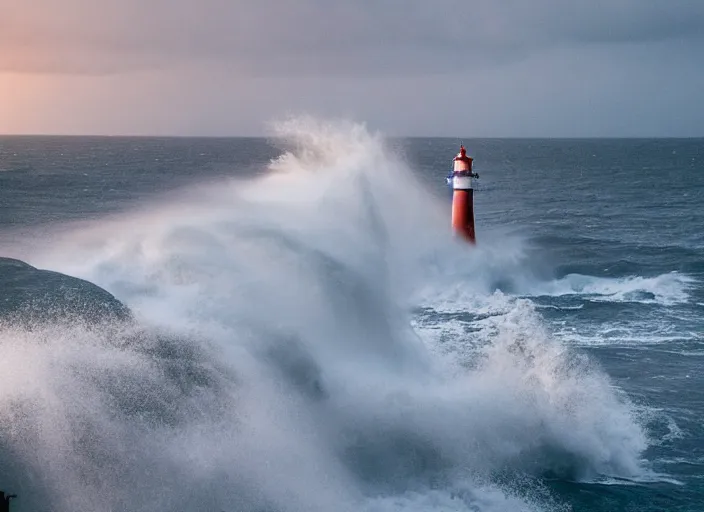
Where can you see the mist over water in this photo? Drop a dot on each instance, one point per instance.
(275, 362)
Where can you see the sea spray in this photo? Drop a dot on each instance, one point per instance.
(271, 364)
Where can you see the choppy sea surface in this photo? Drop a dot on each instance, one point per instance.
(288, 324)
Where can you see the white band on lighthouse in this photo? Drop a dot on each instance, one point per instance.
(461, 182)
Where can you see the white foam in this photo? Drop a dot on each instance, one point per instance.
(315, 395)
(665, 289)
(484, 498)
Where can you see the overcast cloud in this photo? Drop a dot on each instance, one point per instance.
(372, 60)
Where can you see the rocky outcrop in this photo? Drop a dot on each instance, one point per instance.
(30, 294)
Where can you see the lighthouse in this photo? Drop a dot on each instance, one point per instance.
(463, 196)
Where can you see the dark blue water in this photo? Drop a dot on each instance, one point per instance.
(305, 334)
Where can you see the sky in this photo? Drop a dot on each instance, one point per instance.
(471, 68)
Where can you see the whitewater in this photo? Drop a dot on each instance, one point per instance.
(312, 339)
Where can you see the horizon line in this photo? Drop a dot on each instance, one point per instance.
(478, 137)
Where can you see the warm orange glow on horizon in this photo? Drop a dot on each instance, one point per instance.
(65, 104)
(21, 97)
(42, 103)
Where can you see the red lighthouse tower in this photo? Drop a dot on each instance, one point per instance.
(463, 196)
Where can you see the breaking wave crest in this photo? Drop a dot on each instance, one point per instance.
(666, 289)
(272, 365)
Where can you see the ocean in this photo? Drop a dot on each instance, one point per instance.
(288, 324)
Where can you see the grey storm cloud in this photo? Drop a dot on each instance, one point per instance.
(270, 37)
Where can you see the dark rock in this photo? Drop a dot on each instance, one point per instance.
(33, 295)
